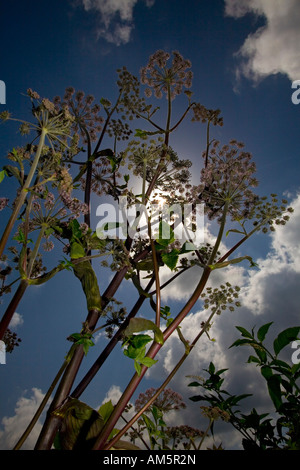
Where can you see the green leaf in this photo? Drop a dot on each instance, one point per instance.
(273, 383)
(240, 342)
(266, 372)
(165, 234)
(171, 259)
(138, 367)
(81, 425)
(2, 175)
(143, 134)
(285, 337)
(106, 410)
(76, 250)
(76, 230)
(234, 261)
(261, 334)
(147, 361)
(194, 384)
(235, 231)
(244, 332)
(142, 324)
(253, 359)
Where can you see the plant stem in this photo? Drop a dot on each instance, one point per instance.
(23, 193)
(40, 408)
(110, 346)
(52, 422)
(136, 379)
(160, 389)
(6, 319)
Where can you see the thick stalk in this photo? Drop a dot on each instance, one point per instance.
(6, 319)
(40, 408)
(154, 349)
(110, 346)
(23, 193)
(160, 389)
(52, 422)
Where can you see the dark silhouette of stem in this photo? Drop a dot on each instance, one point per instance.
(154, 349)
(6, 319)
(110, 346)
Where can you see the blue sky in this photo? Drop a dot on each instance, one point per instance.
(245, 56)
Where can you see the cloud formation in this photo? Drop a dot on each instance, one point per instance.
(13, 426)
(116, 18)
(269, 293)
(274, 47)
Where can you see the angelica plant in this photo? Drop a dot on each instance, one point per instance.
(109, 155)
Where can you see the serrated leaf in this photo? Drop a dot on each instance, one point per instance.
(137, 367)
(244, 332)
(263, 330)
(240, 342)
(137, 325)
(147, 361)
(106, 410)
(171, 259)
(285, 337)
(81, 425)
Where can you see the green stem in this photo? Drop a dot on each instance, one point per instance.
(23, 193)
(35, 250)
(220, 234)
(205, 433)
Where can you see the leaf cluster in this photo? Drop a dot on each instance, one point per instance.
(282, 381)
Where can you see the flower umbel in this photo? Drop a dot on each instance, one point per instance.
(163, 79)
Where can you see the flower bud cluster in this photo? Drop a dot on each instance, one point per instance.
(85, 113)
(228, 176)
(162, 79)
(218, 298)
(167, 400)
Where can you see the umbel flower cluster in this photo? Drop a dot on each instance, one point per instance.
(162, 79)
(75, 153)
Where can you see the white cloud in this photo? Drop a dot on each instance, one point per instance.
(278, 271)
(116, 17)
(113, 394)
(17, 320)
(13, 426)
(270, 293)
(274, 47)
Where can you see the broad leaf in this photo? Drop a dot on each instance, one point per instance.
(106, 410)
(143, 324)
(285, 337)
(263, 330)
(171, 259)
